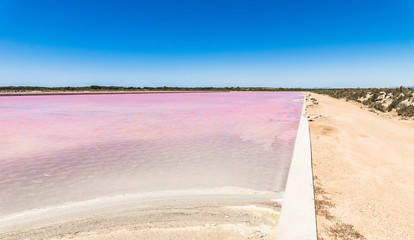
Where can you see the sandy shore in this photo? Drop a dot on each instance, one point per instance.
(221, 216)
(364, 172)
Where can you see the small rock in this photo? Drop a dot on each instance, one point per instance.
(312, 117)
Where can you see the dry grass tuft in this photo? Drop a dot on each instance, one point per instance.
(337, 230)
(344, 231)
(323, 203)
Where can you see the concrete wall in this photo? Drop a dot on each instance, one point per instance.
(297, 220)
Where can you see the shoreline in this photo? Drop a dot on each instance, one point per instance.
(226, 212)
(53, 93)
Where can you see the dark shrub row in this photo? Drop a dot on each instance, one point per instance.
(406, 111)
(355, 94)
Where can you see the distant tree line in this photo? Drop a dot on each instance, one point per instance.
(347, 93)
(120, 88)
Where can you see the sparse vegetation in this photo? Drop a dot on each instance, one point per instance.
(341, 231)
(323, 203)
(378, 106)
(394, 104)
(337, 230)
(381, 99)
(406, 111)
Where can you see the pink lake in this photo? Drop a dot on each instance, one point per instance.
(69, 148)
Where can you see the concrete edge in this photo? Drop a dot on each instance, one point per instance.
(297, 219)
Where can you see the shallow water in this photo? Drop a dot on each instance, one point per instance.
(59, 149)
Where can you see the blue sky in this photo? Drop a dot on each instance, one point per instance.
(207, 43)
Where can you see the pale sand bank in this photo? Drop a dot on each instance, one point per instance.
(365, 164)
(219, 216)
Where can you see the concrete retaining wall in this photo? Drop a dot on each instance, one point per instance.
(297, 220)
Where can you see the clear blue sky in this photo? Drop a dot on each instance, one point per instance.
(298, 43)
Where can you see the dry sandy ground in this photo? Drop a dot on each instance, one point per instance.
(206, 217)
(364, 169)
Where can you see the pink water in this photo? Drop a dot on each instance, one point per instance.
(58, 149)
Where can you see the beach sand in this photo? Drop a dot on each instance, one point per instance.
(218, 216)
(363, 165)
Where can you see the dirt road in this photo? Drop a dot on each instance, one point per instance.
(364, 172)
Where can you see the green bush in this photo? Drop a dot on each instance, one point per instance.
(378, 106)
(366, 102)
(406, 111)
(394, 104)
(374, 97)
